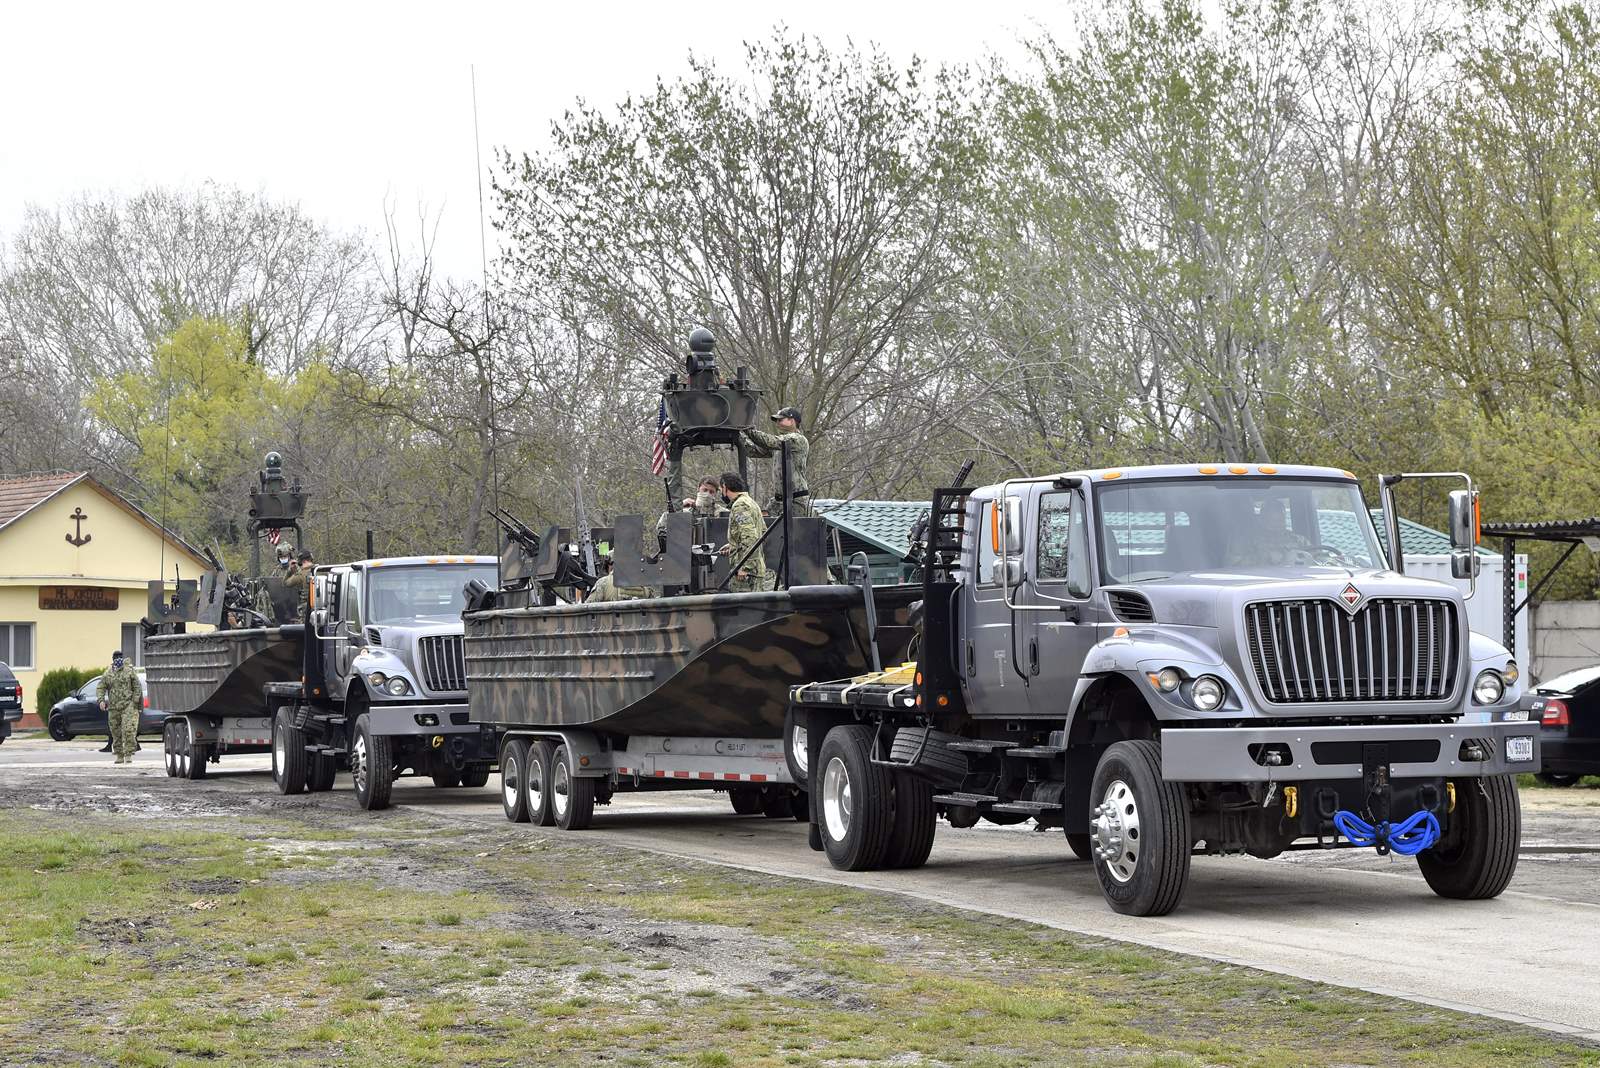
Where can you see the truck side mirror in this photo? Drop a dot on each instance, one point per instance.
(1006, 573)
(1463, 521)
(1464, 564)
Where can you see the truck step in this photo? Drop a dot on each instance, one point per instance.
(964, 800)
(976, 745)
(1037, 751)
(1027, 808)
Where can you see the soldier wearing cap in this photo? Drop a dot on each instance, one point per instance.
(606, 589)
(121, 695)
(299, 581)
(764, 444)
(745, 528)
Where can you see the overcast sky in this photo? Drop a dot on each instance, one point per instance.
(342, 106)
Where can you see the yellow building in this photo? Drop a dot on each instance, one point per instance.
(75, 560)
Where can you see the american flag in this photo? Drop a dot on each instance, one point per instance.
(658, 450)
(274, 535)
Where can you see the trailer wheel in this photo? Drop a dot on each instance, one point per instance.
(475, 776)
(571, 798)
(198, 755)
(322, 770)
(536, 783)
(794, 745)
(288, 753)
(746, 800)
(1478, 855)
(513, 765)
(169, 747)
(915, 820)
(372, 765)
(1140, 831)
(856, 800)
(1081, 846)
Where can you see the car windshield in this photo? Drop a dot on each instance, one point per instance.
(400, 593)
(1151, 530)
(1569, 681)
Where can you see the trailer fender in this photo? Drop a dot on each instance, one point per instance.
(592, 761)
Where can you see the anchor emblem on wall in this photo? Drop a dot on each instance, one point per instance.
(80, 539)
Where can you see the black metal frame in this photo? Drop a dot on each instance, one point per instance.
(1569, 532)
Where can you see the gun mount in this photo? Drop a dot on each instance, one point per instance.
(275, 505)
(705, 410)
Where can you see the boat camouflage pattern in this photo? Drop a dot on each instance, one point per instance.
(220, 673)
(714, 665)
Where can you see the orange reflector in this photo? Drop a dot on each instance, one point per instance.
(1265, 470)
(1477, 522)
(944, 699)
(1112, 474)
(583, 762)
(1208, 470)
(1155, 679)
(1238, 470)
(994, 526)
(1120, 632)
(918, 678)
(1348, 474)
(919, 699)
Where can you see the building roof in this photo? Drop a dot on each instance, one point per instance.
(21, 494)
(1546, 529)
(886, 525)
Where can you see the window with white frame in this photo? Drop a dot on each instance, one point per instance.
(16, 645)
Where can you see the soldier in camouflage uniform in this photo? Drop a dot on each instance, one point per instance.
(300, 582)
(745, 527)
(764, 444)
(121, 696)
(607, 589)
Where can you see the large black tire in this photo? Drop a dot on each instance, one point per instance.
(288, 753)
(1478, 855)
(855, 800)
(915, 821)
(572, 798)
(746, 800)
(1557, 778)
(933, 759)
(1080, 845)
(58, 729)
(372, 765)
(794, 744)
(1150, 820)
(513, 765)
(475, 776)
(169, 747)
(321, 771)
(196, 757)
(536, 783)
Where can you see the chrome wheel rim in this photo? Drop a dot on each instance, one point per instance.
(169, 746)
(836, 799)
(510, 782)
(280, 751)
(797, 750)
(560, 788)
(1115, 831)
(535, 785)
(358, 763)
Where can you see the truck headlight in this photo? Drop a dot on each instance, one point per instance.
(377, 678)
(397, 687)
(1168, 679)
(1511, 673)
(1208, 692)
(1488, 687)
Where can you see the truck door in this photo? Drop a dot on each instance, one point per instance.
(990, 642)
(1058, 576)
(349, 622)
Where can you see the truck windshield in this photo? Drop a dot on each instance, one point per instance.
(1150, 530)
(400, 593)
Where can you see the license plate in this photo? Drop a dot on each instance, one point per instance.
(1516, 715)
(1520, 748)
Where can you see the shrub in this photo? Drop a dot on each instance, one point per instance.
(58, 683)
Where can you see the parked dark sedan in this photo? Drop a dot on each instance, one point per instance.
(10, 701)
(80, 713)
(1568, 710)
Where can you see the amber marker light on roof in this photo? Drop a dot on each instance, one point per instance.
(1112, 474)
(1208, 470)
(1348, 474)
(1265, 470)
(1238, 470)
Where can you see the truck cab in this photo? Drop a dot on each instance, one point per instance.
(1188, 658)
(385, 685)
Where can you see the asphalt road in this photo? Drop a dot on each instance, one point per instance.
(1346, 917)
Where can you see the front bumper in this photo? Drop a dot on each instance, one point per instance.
(404, 719)
(1415, 751)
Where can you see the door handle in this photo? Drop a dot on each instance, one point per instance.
(972, 659)
(1033, 656)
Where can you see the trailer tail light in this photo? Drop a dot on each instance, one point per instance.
(1555, 714)
(147, 702)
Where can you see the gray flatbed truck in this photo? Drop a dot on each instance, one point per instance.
(1165, 661)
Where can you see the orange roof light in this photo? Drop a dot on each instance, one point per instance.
(1112, 474)
(1238, 470)
(1208, 470)
(1348, 474)
(1265, 470)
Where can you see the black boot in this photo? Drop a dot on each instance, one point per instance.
(107, 749)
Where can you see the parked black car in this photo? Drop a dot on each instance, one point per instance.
(1568, 709)
(80, 713)
(10, 701)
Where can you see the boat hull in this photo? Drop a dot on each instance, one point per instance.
(220, 673)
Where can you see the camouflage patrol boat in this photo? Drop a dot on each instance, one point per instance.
(705, 665)
(221, 672)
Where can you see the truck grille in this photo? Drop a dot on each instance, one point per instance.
(444, 666)
(1389, 650)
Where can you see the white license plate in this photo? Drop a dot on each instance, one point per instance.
(1520, 748)
(1517, 715)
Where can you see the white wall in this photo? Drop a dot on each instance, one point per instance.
(1566, 635)
(1483, 608)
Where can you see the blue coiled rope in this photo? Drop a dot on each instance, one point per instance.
(1408, 838)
